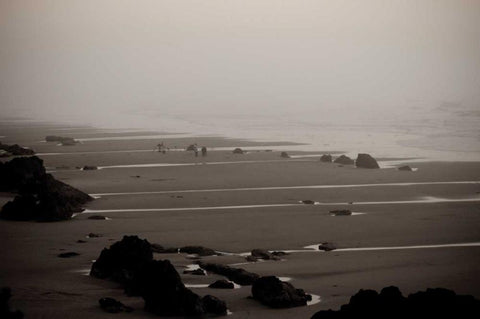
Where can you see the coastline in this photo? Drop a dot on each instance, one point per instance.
(44, 285)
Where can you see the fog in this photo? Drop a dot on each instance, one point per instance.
(89, 60)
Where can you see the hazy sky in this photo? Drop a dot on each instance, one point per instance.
(89, 58)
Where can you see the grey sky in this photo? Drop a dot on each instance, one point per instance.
(88, 58)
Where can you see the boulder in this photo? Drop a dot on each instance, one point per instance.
(237, 275)
(16, 149)
(113, 306)
(238, 151)
(326, 246)
(390, 303)
(327, 158)
(123, 260)
(344, 160)
(89, 168)
(93, 235)
(284, 155)
(341, 212)
(97, 217)
(308, 202)
(274, 293)
(405, 168)
(214, 305)
(366, 161)
(222, 284)
(262, 254)
(198, 250)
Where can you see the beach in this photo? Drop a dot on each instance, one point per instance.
(415, 230)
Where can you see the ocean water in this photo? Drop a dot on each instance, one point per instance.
(442, 133)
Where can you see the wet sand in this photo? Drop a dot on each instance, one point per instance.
(429, 218)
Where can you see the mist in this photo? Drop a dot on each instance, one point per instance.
(94, 61)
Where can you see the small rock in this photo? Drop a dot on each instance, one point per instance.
(214, 305)
(405, 168)
(113, 306)
(199, 250)
(326, 246)
(345, 160)
(366, 161)
(308, 202)
(93, 235)
(68, 254)
(274, 293)
(284, 155)
(97, 217)
(222, 284)
(89, 168)
(196, 272)
(341, 212)
(327, 158)
(251, 258)
(80, 241)
(238, 151)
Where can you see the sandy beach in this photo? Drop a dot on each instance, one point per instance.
(414, 230)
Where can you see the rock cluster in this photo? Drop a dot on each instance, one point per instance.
(275, 293)
(16, 150)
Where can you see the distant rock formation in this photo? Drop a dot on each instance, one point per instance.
(341, 212)
(40, 196)
(66, 141)
(327, 158)
(275, 293)
(327, 246)
(390, 303)
(405, 168)
(284, 155)
(344, 160)
(89, 168)
(238, 151)
(16, 150)
(366, 161)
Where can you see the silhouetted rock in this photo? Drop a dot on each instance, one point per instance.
(113, 306)
(5, 312)
(327, 158)
(344, 160)
(89, 168)
(366, 161)
(405, 168)
(222, 284)
(68, 254)
(22, 207)
(263, 254)
(16, 149)
(274, 293)
(198, 250)
(238, 151)
(214, 305)
(93, 235)
(284, 155)
(18, 172)
(341, 212)
(122, 260)
(237, 275)
(97, 217)
(326, 246)
(191, 147)
(433, 303)
(308, 202)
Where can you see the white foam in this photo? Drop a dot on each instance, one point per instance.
(196, 285)
(315, 299)
(287, 187)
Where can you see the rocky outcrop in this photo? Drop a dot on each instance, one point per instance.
(16, 150)
(326, 158)
(198, 250)
(237, 275)
(390, 303)
(284, 155)
(366, 161)
(341, 212)
(263, 254)
(238, 151)
(344, 160)
(113, 306)
(274, 293)
(5, 312)
(40, 196)
(213, 305)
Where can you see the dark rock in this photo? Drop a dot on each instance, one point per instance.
(308, 202)
(159, 249)
(113, 306)
(191, 147)
(199, 250)
(196, 272)
(16, 149)
(81, 241)
(93, 235)
(19, 172)
(274, 293)
(390, 303)
(89, 168)
(327, 158)
(237, 275)
(5, 312)
(251, 258)
(344, 160)
(326, 246)
(222, 284)
(279, 253)
(97, 217)
(341, 212)
(405, 168)
(214, 305)
(238, 151)
(284, 155)
(68, 254)
(123, 260)
(263, 254)
(366, 161)
(23, 207)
